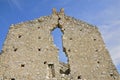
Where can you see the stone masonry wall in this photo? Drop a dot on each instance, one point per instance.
(88, 57)
(30, 54)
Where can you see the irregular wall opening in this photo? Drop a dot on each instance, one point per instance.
(57, 38)
(63, 58)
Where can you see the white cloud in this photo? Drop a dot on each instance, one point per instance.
(109, 14)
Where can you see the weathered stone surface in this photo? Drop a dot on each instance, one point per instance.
(30, 54)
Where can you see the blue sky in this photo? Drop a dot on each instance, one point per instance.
(105, 14)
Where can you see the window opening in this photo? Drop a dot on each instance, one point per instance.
(57, 38)
(51, 70)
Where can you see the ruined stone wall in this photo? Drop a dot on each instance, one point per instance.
(88, 57)
(29, 51)
(30, 54)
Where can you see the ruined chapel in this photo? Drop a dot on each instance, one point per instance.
(29, 52)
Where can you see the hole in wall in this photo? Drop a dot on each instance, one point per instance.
(39, 37)
(59, 18)
(79, 77)
(70, 38)
(38, 27)
(69, 50)
(12, 79)
(22, 65)
(63, 57)
(15, 49)
(111, 74)
(65, 72)
(96, 50)
(39, 49)
(80, 29)
(57, 38)
(45, 62)
(98, 62)
(94, 39)
(19, 36)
